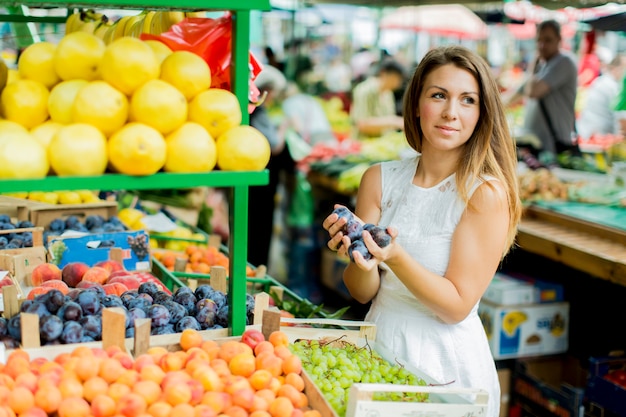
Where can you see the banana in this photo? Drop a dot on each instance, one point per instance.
(110, 32)
(175, 17)
(88, 26)
(195, 14)
(134, 25)
(147, 22)
(120, 27)
(156, 27)
(70, 23)
(102, 29)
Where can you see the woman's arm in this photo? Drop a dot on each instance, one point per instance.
(476, 250)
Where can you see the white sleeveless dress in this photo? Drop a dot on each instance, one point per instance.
(426, 219)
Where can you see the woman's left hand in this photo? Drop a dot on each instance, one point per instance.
(379, 254)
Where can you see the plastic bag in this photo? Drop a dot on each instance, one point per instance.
(211, 39)
(301, 208)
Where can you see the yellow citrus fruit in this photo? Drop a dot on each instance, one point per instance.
(137, 149)
(45, 132)
(128, 63)
(22, 157)
(102, 106)
(62, 98)
(216, 109)
(160, 105)
(243, 148)
(25, 102)
(161, 50)
(69, 197)
(37, 63)
(12, 76)
(78, 149)
(78, 56)
(187, 72)
(7, 128)
(190, 148)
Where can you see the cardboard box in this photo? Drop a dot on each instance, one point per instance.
(18, 208)
(605, 397)
(525, 330)
(548, 386)
(332, 272)
(94, 248)
(545, 292)
(504, 377)
(506, 290)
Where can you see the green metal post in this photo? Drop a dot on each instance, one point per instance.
(238, 249)
(25, 32)
(240, 73)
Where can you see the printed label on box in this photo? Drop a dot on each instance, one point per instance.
(94, 248)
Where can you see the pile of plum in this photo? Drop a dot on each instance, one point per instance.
(77, 316)
(11, 240)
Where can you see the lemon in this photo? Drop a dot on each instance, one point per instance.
(128, 63)
(69, 197)
(137, 149)
(7, 128)
(50, 198)
(216, 109)
(78, 56)
(102, 106)
(243, 148)
(12, 76)
(161, 50)
(190, 148)
(23, 195)
(130, 217)
(37, 63)
(35, 195)
(45, 131)
(78, 149)
(87, 196)
(160, 105)
(186, 71)
(22, 157)
(25, 102)
(62, 98)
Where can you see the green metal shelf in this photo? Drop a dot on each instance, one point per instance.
(234, 5)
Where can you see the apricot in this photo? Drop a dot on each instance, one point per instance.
(218, 401)
(263, 346)
(196, 391)
(159, 409)
(16, 366)
(190, 338)
(129, 377)
(260, 379)
(235, 383)
(259, 404)
(221, 367)
(87, 367)
(282, 352)
(27, 380)
(311, 413)
(243, 398)
(266, 394)
(176, 394)
(110, 370)
(71, 387)
(209, 379)
(131, 405)
(20, 399)
(295, 380)
(202, 410)
(231, 349)
(281, 407)
(289, 392)
(172, 362)
(48, 399)
(124, 359)
(44, 272)
(243, 364)
(33, 412)
(93, 387)
(279, 338)
(270, 362)
(103, 406)
(74, 407)
(152, 372)
(260, 413)
(235, 411)
(292, 364)
(182, 410)
(117, 391)
(150, 391)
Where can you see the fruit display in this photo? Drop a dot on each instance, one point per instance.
(59, 197)
(84, 107)
(541, 184)
(354, 230)
(199, 259)
(335, 365)
(12, 240)
(248, 377)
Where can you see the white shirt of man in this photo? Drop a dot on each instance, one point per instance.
(598, 117)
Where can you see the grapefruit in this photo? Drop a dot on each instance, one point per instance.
(102, 106)
(25, 102)
(216, 109)
(128, 63)
(187, 72)
(160, 105)
(22, 157)
(45, 132)
(243, 148)
(62, 98)
(190, 148)
(78, 56)
(37, 63)
(78, 149)
(161, 50)
(137, 149)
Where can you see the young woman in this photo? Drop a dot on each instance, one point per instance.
(452, 212)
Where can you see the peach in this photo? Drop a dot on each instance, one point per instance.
(110, 265)
(96, 274)
(37, 291)
(73, 272)
(115, 288)
(58, 285)
(128, 280)
(88, 284)
(44, 272)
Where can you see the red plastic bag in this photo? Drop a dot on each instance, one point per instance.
(211, 39)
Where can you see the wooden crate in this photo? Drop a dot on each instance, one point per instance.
(43, 215)
(19, 208)
(21, 262)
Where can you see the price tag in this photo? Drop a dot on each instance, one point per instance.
(158, 223)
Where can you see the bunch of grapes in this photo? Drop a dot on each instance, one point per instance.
(335, 366)
(57, 249)
(139, 245)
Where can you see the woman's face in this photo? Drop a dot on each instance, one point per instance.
(449, 108)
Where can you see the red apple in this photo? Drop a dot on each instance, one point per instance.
(252, 337)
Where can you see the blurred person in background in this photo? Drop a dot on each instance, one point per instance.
(373, 109)
(597, 115)
(550, 96)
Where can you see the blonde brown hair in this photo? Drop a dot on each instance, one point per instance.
(490, 151)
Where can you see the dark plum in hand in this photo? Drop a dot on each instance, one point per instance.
(50, 328)
(159, 315)
(89, 302)
(177, 311)
(55, 300)
(379, 234)
(72, 333)
(343, 212)
(353, 230)
(149, 288)
(3, 327)
(204, 291)
(187, 322)
(359, 246)
(14, 327)
(92, 326)
(70, 311)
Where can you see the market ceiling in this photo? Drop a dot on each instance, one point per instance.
(551, 4)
